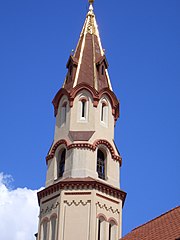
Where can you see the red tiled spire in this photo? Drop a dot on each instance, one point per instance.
(88, 64)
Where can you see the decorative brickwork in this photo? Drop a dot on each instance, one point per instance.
(85, 145)
(72, 93)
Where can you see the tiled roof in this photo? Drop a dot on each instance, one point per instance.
(164, 227)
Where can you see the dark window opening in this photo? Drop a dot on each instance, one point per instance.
(62, 163)
(102, 113)
(70, 70)
(101, 164)
(102, 70)
(99, 229)
(83, 109)
(64, 112)
(110, 229)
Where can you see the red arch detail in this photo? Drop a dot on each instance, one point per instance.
(113, 220)
(45, 220)
(110, 147)
(58, 97)
(54, 215)
(84, 145)
(54, 148)
(95, 94)
(101, 215)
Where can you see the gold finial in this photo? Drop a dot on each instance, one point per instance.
(91, 5)
(91, 1)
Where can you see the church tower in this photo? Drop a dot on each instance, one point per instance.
(82, 199)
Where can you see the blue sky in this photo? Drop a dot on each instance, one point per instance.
(142, 42)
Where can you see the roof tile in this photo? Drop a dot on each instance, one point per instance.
(165, 227)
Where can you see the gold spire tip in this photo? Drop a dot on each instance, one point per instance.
(91, 1)
(91, 5)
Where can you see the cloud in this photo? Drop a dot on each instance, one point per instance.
(18, 211)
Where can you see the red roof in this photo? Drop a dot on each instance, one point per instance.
(164, 227)
(88, 64)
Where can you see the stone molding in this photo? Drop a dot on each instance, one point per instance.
(82, 184)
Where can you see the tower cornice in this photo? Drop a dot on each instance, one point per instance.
(82, 184)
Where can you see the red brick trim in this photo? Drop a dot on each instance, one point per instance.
(95, 94)
(110, 147)
(53, 150)
(82, 145)
(113, 100)
(77, 193)
(102, 215)
(44, 220)
(58, 97)
(85, 145)
(113, 220)
(109, 199)
(54, 215)
(82, 184)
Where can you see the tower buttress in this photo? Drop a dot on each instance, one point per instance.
(82, 197)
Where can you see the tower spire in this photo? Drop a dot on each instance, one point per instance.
(88, 64)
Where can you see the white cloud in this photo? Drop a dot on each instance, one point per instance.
(18, 211)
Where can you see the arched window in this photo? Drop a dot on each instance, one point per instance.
(101, 164)
(104, 112)
(53, 228)
(63, 113)
(112, 230)
(83, 108)
(61, 163)
(44, 230)
(101, 228)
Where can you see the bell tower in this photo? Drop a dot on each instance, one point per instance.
(82, 199)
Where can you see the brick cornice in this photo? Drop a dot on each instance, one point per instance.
(82, 184)
(84, 145)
